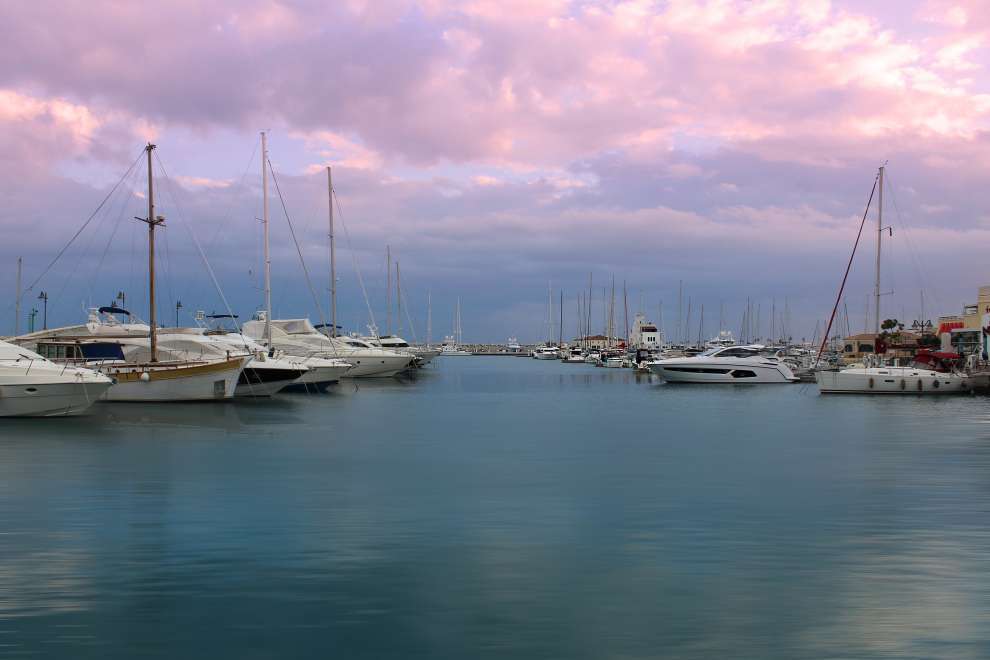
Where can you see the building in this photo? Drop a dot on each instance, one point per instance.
(967, 333)
(597, 342)
(644, 334)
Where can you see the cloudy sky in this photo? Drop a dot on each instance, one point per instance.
(497, 146)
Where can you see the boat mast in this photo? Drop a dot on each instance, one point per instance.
(333, 262)
(388, 290)
(429, 317)
(876, 285)
(398, 300)
(268, 256)
(17, 300)
(152, 222)
(560, 333)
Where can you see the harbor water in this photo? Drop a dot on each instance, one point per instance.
(499, 507)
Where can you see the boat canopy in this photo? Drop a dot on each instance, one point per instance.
(296, 326)
(113, 310)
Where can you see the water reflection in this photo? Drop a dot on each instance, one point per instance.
(504, 509)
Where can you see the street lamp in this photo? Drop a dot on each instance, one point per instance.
(43, 296)
(31, 318)
(178, 306)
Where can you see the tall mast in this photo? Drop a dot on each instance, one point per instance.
(17, 300)
(268, 256)
(560, 333)
(333, 262)
(152, 222)
(388, 290)
(680, 300)
(398, 299)
(625, 309)
(876, 286)
(429, 317)
(591, 294)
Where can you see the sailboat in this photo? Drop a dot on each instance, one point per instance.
(874, 376)
(550, 351)
(101, 346)
(31, 386)
(452, 343)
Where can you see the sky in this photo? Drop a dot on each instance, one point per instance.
(723, 148)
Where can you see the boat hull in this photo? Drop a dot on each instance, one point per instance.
(261, 382)
(49, 400)
(320, 376)
(709, 372)
(210, 381)
(892, 380)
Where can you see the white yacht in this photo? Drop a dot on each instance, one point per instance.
(422, 355)
(263, 375)
(300, 338)
(573, 355)
(317, 373)
(723, 338)
(451, 347)
(728, 364)
(925, 376)
(31, 386)
(122, 351)
(546, 353)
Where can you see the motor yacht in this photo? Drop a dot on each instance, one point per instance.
(422, 355)
(31, 386)
(727, 364)
(547, 353)
(573, 355)
(300, 338)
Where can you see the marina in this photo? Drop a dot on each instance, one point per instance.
(172, 531)
(457, 329)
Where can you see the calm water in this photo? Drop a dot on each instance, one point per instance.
(502, 508)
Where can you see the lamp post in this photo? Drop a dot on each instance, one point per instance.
(31, 317)
(43, 297)
(178, 306)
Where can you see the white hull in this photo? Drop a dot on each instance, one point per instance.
(546, 355)
(322, 373)
(49, 400)
(201, 382)
(455, 352)
(890, 380)
(691, 370)
(424, 355)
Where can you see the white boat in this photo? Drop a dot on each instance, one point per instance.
(594, 357)
(422, 355)
(874, 376)
(298, 337)
(890, 380)
(101, 348)
(263, 374)
(31, 386)
(723, 338)
(573, 355)
(547, 353)
(451, 348)
(728, 364)
(613, 362)
(122, 351)
(452, 343)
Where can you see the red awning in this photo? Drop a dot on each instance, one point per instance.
(950, 326)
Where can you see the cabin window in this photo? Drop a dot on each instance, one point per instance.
(743, 373)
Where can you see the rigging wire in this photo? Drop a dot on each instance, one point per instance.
(84, 225)
(842, 286)
(912, 253)
(199, 248)
(357, 269)
(292, 231)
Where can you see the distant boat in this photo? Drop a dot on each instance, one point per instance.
(547, 353)
(31, 386)
(452, 343)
